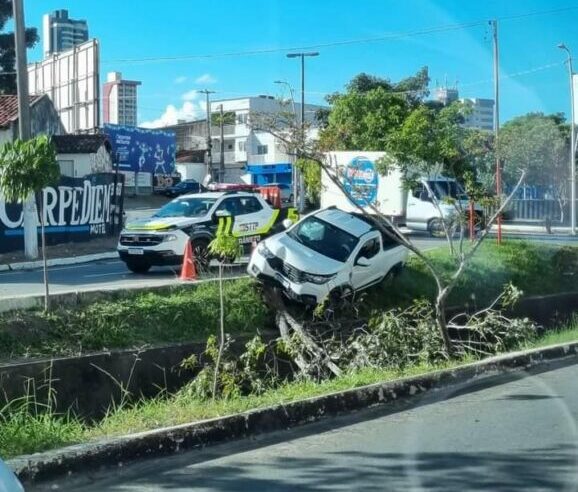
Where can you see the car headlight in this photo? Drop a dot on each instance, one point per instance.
(317, 279)
(264, 251)
(170, 237)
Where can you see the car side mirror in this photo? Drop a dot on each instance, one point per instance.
(362, 261)
(287, 223)
(424, 196)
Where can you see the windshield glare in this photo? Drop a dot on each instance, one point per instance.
(324, 238)
(443, 189)
(186, 207)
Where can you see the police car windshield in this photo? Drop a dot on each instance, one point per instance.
(186, 207)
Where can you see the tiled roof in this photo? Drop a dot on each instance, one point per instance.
(78, 144)
(9, 108)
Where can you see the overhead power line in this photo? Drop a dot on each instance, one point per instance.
(384, 37)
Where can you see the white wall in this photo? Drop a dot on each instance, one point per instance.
(84, 164)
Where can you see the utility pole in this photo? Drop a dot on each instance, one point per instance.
(562, 46)
(222, 147)
(298, 174)
(24, 129)
(209, 155)
(494, 24)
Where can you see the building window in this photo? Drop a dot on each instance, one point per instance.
(242, 118)
(241, 145)
(262, 149)
(230, 146)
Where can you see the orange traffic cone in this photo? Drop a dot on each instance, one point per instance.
(188, 270)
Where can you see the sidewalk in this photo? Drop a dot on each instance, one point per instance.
(537, 231)
(82, 252)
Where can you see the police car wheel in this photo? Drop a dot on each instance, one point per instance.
(201, 253)
(138, 267)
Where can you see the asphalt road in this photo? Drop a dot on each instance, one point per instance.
(109, 274)
(517, 436)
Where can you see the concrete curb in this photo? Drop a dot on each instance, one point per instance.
(84, 297)
(165, 441)
(72, 260)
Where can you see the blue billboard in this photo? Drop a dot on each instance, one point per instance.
(142, 150)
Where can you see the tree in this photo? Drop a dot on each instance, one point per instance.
(8, 51)
(224, 247)
(27, 167)
(419, 139)
(539, 144)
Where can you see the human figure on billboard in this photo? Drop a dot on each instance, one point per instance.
(159, 160)
(144, 148)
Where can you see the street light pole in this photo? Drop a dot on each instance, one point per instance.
(209, 140)
(24, 129)
(300, 176)
(562, 46)
(293, 169)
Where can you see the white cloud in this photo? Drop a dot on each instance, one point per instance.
(191, 95)
(190, 110)
(181, 79)
(206, 78)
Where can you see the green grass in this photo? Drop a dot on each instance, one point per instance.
(25, 432)
(534, 268)
(186, 314)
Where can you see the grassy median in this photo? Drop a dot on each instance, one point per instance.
(26, 428)
(190, 314)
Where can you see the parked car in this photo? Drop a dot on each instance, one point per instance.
(285, 189)
(184, 187)
(328, 253)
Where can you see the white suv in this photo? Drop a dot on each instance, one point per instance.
(329, 252)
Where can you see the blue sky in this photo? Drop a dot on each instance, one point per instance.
(534, 77)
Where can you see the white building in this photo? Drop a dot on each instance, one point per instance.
(62, 33)
(247, 151)
(119, 100)
(71, 80)
(482, 113)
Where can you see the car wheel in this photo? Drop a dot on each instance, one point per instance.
(436, 228)
(201, 254)
(138, 266)
(341, 296)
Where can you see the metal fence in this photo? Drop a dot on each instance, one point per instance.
(533, 210)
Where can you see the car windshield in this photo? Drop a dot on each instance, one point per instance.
(324, 238)
(186, 207)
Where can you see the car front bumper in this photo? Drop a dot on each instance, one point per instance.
(305, 293)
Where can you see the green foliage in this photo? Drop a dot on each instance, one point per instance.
(420, 138)
(237, 375)
(186, 314)
(311, 171)
(225, 247)
(534, 268)
(7, 49)
(538, 144)
(27, 167)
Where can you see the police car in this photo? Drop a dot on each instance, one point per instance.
(161, 239)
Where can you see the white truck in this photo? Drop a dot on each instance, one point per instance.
(414, 208)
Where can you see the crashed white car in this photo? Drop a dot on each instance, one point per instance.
(328, 253)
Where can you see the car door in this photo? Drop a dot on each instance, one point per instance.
(371, 251)
(248, 214)
(420, 208)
